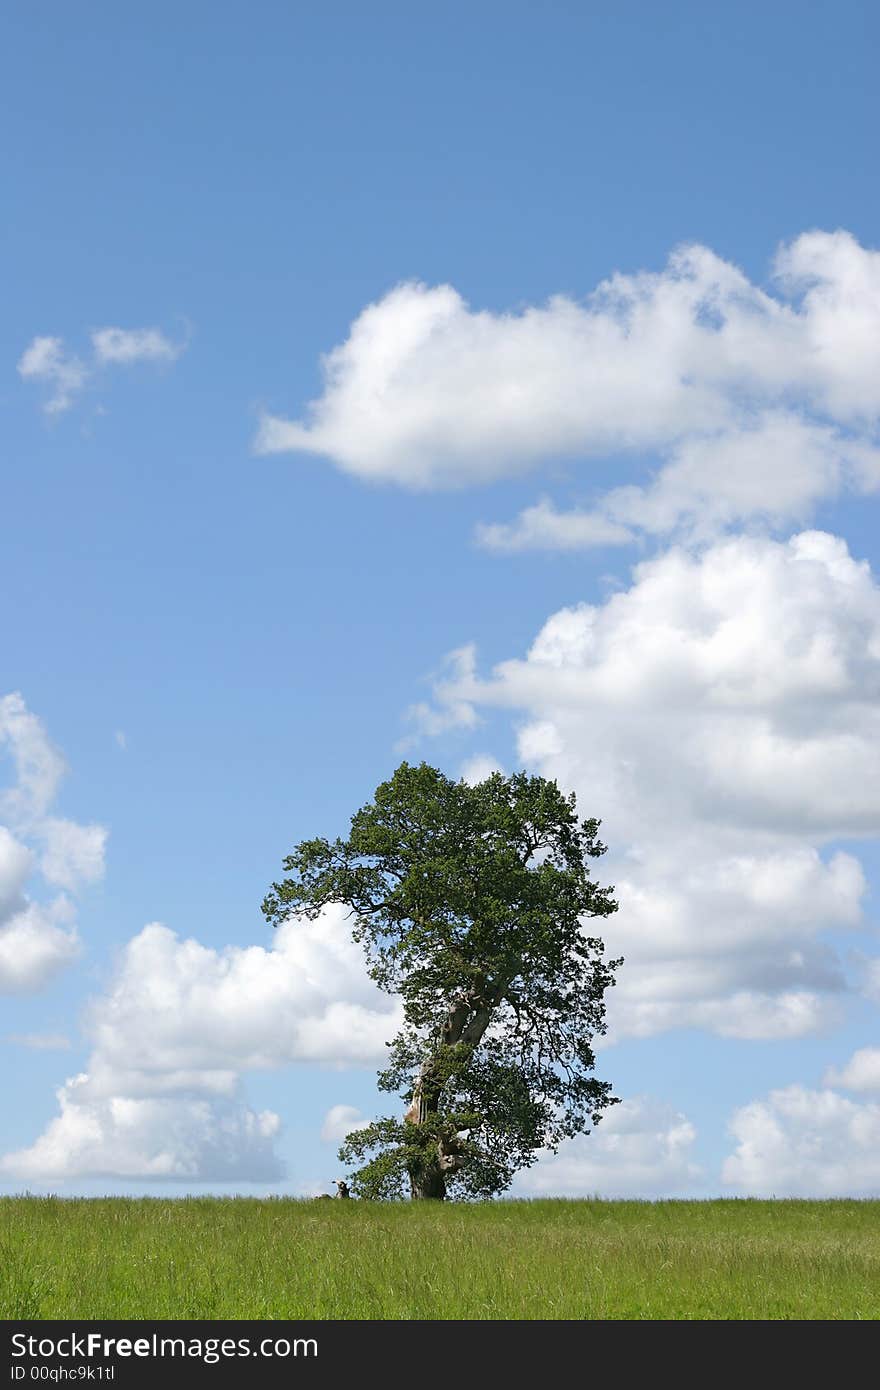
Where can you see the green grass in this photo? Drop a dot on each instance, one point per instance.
(241, 1258)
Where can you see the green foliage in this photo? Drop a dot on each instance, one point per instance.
(470, 903)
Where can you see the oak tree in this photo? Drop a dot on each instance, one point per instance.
(472, 904)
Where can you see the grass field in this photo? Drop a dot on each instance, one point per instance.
(242, 1258)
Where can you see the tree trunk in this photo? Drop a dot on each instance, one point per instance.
(466, 1022)
(428, 1184)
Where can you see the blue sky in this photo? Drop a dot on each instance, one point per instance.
(232, 616)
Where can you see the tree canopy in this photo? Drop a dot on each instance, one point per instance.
(472, 904)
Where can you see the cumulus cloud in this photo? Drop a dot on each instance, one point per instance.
(775, 470)
(339, 1121)
(38, 939)
(36, 944)
(805, 1143)
(177, 1007)
(694, 363)
(861, 1072)
(46, 360)
(721, 715)
(735, 686)
(641, 1148)
(188, 1138)
(179, 1024)
(16, 863)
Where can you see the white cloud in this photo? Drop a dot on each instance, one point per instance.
(774, 469)
(36, 944)
(427, 392)
(46, 360)
(448, 711)
(177, 1007)
(74, 854)
(39, 766)
(187, 1139)
(839, 285)
(641, 1148)
(721, 715)
(38, 940)
(124, 346)
(16, 865)
(861, 1072)
(870, 971)
(180, 1023)
(731, 943)
(543, 527)
(758, 1015)
(479, 768)
(735, 687)
(339, 1121)
(805, 1143)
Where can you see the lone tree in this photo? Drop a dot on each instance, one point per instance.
(470, 903)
